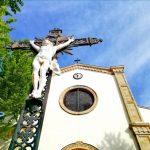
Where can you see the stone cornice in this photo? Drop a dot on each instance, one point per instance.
(117, 69)
(110, 70)
(140, 128)
(139, 124)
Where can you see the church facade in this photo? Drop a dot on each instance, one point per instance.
(92, 108)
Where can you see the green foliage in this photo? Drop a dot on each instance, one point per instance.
(5, 28)
(14, 5)
(15, 82)
(15, 70)
(6, 132)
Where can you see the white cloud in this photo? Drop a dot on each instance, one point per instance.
(130, 45)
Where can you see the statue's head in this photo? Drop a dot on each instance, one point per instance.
(47, 42)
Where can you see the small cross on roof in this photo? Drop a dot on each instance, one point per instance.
(77, 60)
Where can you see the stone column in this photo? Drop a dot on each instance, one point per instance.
(140, 129)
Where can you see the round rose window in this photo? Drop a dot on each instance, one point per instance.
(78, 100)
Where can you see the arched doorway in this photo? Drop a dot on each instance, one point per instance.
(79, 146)
(79, 149)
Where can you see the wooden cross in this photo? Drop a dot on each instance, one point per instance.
(56, 37)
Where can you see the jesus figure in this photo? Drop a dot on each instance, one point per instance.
(42, 62)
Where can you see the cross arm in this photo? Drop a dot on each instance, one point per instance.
(80, 42)
(57, 38)
(85, 41)
(77, 42)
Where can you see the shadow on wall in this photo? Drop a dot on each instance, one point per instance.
(112, 141)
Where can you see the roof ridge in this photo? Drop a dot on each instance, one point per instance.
(91, 68)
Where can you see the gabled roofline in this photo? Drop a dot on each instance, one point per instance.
(110, 70)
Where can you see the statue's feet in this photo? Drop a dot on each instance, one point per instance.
(34, 94)
(37, 95)
(31, 95)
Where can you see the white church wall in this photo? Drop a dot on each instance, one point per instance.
(145, 113)
(106, 124)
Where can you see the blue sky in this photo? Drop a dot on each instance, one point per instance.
(123, 25)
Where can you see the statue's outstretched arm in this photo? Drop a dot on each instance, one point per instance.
(60, 46)
(37, 48)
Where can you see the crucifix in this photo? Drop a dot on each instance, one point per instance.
(47, 50)
(77, 60)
